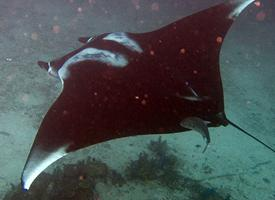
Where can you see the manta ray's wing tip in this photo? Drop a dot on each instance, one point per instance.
(85, 40)
(37, 162)
(238, 7)
(43, 65)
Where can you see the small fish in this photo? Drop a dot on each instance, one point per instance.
(199, 125)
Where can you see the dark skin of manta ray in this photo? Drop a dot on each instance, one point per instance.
(101, 102)
(170, 83)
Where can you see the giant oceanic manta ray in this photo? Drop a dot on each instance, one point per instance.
(124, 84)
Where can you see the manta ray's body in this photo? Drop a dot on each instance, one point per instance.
(125, 84)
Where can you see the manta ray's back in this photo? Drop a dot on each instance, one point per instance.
(123, 84)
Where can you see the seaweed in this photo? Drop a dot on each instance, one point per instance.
(78, 180)
(159, 166)
(72, 181)
(142, 169)
(159, 147)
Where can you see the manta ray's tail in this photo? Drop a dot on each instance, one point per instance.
(250, 135)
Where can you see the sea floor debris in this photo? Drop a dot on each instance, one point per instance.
(78, 181)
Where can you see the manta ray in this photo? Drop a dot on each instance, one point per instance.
(122, 84)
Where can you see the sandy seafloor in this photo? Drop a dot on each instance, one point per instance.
(32, 30)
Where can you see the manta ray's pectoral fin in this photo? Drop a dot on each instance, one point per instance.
(39, 160)
(85, 40)
(199, 125)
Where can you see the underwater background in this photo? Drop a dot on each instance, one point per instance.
(170, 167)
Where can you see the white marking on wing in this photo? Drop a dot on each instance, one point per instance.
(123, 39)
(52, 71)
(93, 54)
(90, 39)
(35, 166)
(241, 5)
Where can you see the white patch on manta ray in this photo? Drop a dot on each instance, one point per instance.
(123, 39)
(93, 54)
(90, 39)
(240, 6)
(33, 170)
(52, 71)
